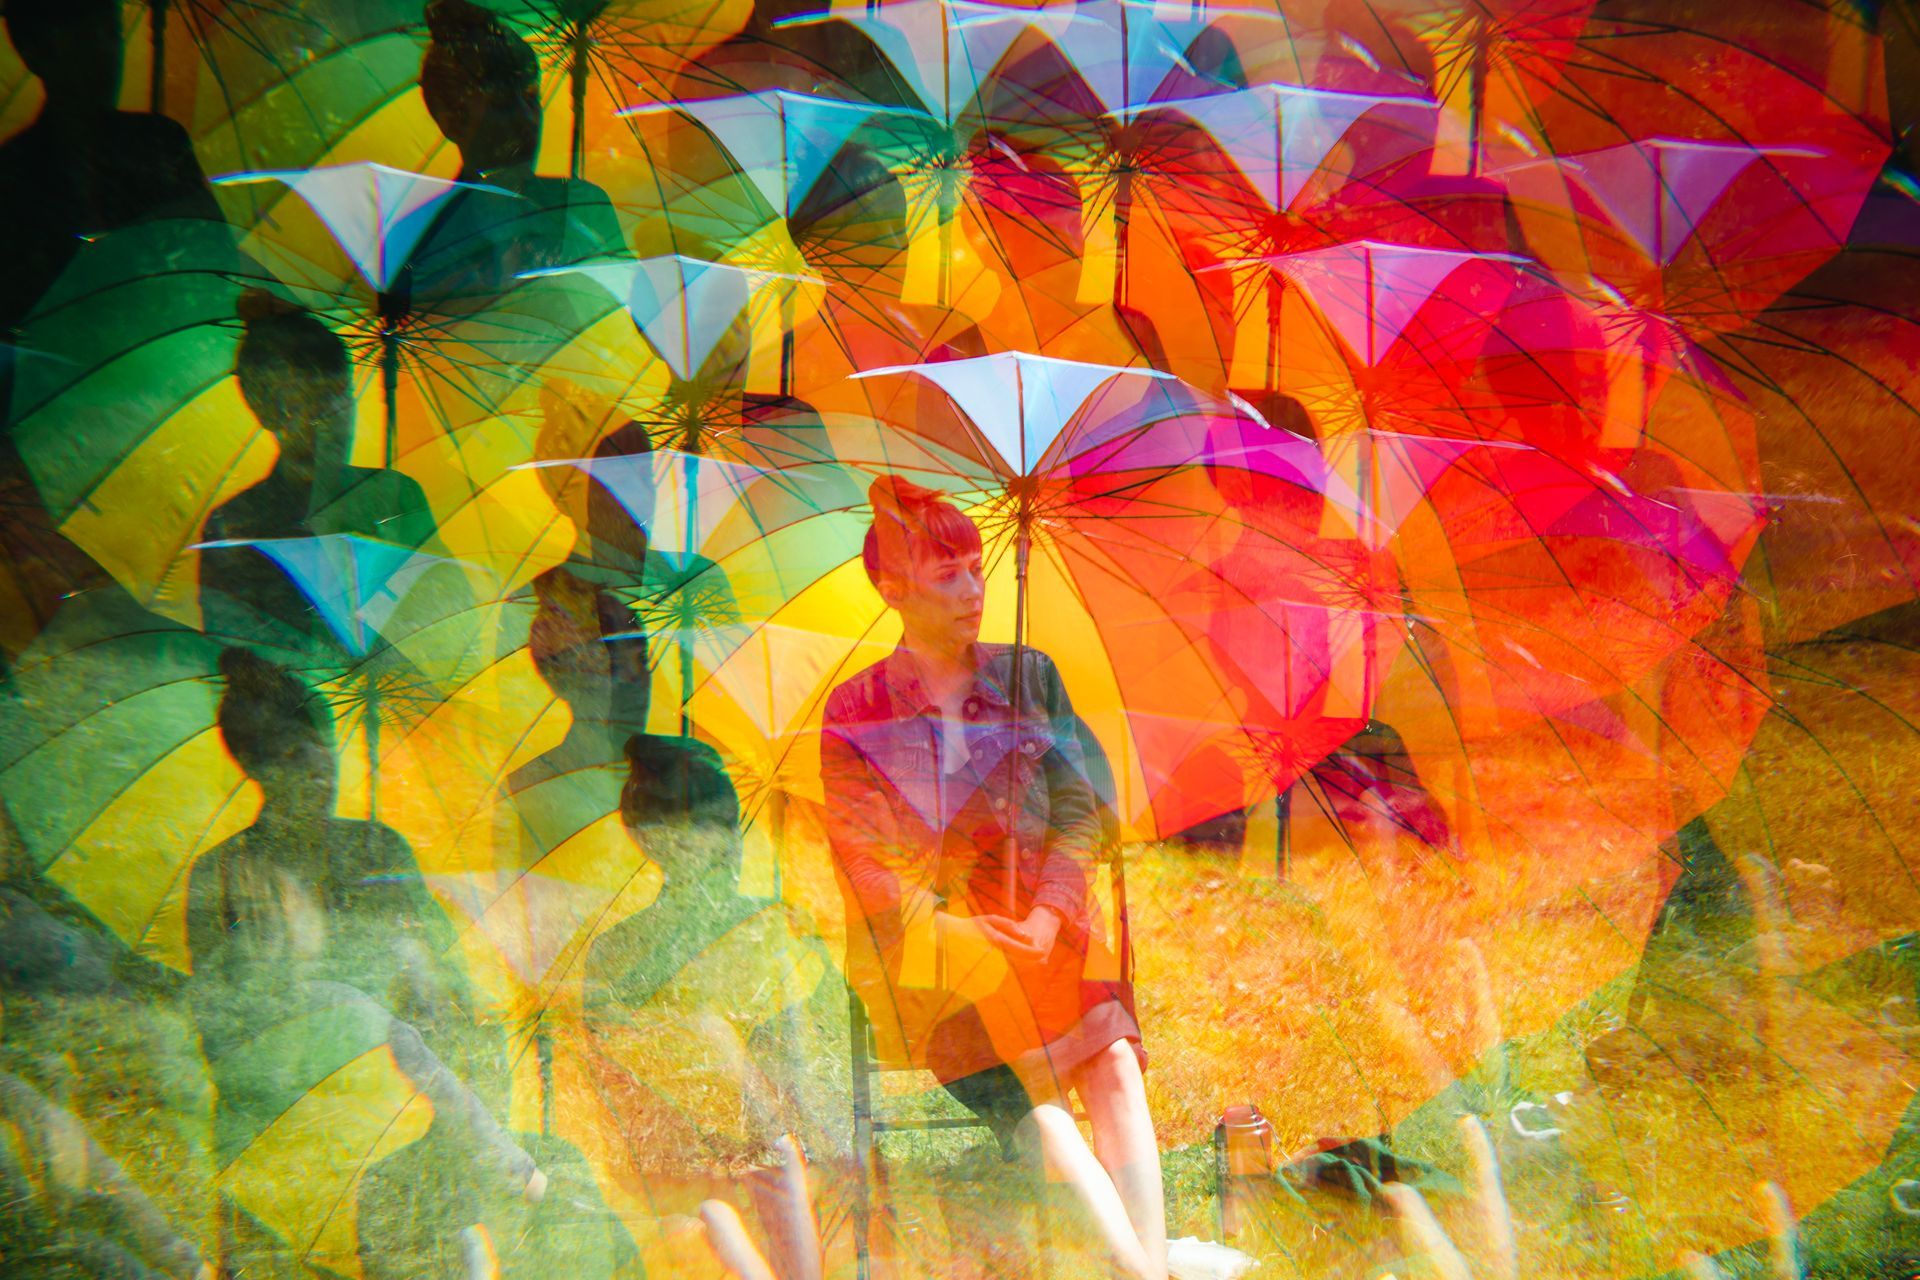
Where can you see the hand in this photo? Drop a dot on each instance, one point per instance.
(999, 930)
(1034, 936)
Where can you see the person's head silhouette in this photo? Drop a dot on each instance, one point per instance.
(607, 532)
(74, 46)
(1032, 211)
(296, 377)
(482, 87)
(681, 809)
(567, 649)
(616, 536)
(278, 731)
(852, 223)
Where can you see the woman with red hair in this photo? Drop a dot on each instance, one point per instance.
(966, 823)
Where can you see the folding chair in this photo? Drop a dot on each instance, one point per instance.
(867, 1068)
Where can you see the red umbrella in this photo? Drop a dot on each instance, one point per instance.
(1693, 172)
(1833, 373)
(1489, 61)
(1383, 336)
(1564, 570)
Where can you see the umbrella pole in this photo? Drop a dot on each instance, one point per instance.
(1282, 839)
(1122, 221)
(390, 386)
(157, 75)
(577, 151)
(944, 286)
(1476, 99)
(1276, 295)
(372, 714)
(786, 342)
(684, 640)
(543, 1051)
(777, 837)
(1022, 543)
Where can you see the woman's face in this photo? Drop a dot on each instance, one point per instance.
(940, 601)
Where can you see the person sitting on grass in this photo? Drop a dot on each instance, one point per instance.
(314, 944)
(696, 1006)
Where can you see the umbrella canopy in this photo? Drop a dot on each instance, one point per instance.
(115, 795)
(1828, 369)
(1493, 60)
(1054, 455)
(440, 692)
(279, 84)
(593, 51)
(1707, 200)
(134, 405)
(422, 276)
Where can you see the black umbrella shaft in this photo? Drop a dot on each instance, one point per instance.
(786, 342)
(690, 492)
(1022, 544)
(373, 755)
(390, 388)
(157, 74)
(577, 161)
(1476, 98)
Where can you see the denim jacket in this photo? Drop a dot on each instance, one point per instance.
(910, 837)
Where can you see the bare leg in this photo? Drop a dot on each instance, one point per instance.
(1115, 1097)
(1068, 1160)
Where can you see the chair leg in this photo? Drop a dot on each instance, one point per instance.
(862, 1133)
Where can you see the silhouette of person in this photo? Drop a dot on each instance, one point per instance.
(851, 227)
(296, 376)
(83, 166)
(694, 1004)
(322, 924)
(1036, 239)
(481, 84)
(553, 803)
(609, 551)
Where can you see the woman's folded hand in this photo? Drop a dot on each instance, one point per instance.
(1032, 939)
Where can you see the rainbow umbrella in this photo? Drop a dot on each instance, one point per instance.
(410, 268)
(132, 405)
(687, 308)
(782, 143)
(115, 774)
(733, 533)
(595, 51)
(1095, 91)
(945, 50)
(376, 217)
(279, 84)
(1087, 482)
